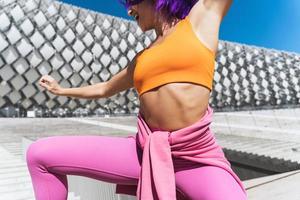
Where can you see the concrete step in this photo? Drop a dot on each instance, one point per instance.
(28, 194)
(15, 164)
(17, 195)
(13, 169)
(15, 187)
(14, 148)
(13, 175)
(15, 180)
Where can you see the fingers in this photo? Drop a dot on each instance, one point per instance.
(47, 78)
(45, 81)
(44, 85)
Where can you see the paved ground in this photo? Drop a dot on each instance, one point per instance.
(274, 133)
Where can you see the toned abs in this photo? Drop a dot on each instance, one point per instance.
(174, 105)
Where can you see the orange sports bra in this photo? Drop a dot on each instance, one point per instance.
(181, 57)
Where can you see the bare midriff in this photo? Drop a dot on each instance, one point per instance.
(174, 106)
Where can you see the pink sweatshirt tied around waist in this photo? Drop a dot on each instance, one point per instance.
(194, 143)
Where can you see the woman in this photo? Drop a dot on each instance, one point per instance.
(173, 155)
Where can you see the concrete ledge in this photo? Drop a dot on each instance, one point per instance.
(267, 179)
(276, 187)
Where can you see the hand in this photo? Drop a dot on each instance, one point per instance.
(50, 84)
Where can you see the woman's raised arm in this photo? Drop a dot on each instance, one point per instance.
(206, 17)
(219, 7)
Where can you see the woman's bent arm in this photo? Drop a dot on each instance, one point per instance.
(87, 92)
(119, 82)
(94, 91)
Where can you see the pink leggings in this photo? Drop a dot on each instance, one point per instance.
(114, 160)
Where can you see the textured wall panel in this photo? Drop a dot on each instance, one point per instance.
(79, 47)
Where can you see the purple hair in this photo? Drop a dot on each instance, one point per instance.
(171, 8)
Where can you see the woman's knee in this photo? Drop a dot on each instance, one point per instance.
(37, 151)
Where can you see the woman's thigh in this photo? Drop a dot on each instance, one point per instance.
(208, 183)
(110, 159)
